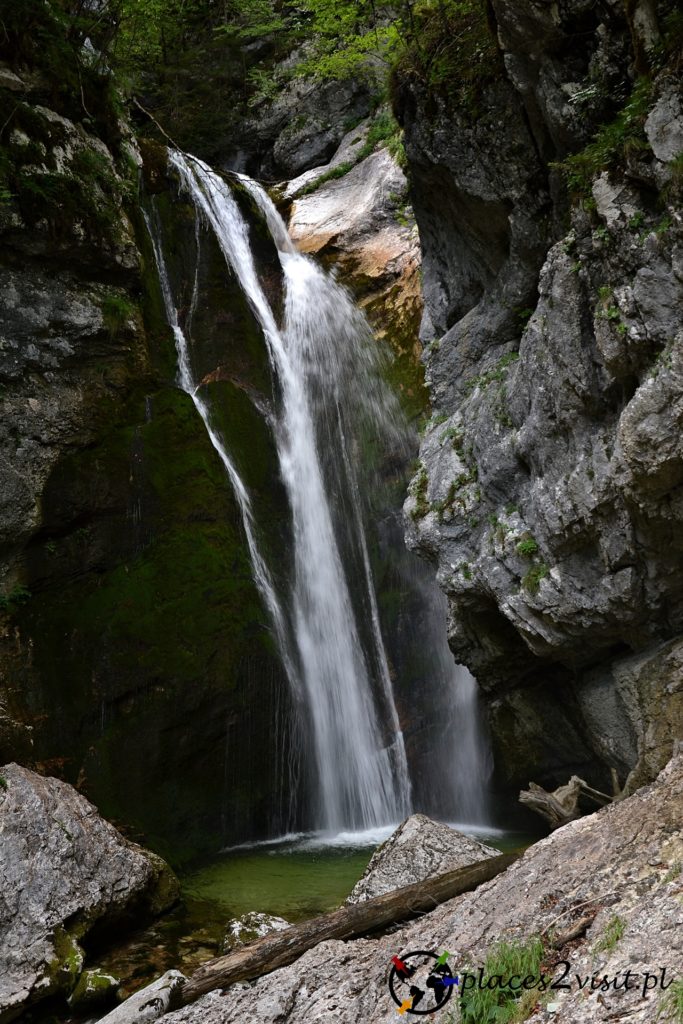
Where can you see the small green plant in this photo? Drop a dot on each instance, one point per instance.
(454, 435)
(671, 1005)
(610, 937)
(504, 1005)
(340, 171)
(612, 145)
(527, 548)
(466, 571)
(636, 221)
(673, 872)
(50, 547)
(418, 489)
(532, 580)
(116, 311)
(497, 373)
(3, 782)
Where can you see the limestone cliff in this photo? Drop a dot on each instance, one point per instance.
(550, 489)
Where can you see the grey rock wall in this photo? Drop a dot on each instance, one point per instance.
(550, 490)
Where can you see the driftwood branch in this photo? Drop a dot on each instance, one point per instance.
(562, 805)
(277, 949)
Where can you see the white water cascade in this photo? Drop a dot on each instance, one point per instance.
(362, 777)
(329, 395)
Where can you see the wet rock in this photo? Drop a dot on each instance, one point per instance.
(605, 867)
(62, 870)
(249, 927)
(149, 1003)
(363, 222)
(305, 124)
(664, 124)
(93, 988)
(418, 849)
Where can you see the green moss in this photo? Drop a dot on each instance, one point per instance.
(63, 970)
(116, 312)
(3, 783)
(93, 988)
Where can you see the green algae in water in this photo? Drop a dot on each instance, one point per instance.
(295, 885)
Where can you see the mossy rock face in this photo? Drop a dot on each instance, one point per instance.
(149, 627)
(154, 682)
(92, 989)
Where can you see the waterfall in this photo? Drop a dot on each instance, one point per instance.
(330, 401)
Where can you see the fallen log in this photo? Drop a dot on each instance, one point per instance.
(277, 949)
(562, 805)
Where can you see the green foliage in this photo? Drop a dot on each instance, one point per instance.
(612, 144)
(450, 47)
(671, 1005)
(116, 312)
(504, 1005)
(532, 580)
(673, 872)
(385, 131)
(17, 597)
(527, 548)
(498, 373)
(3, 783)
(418, 489)
(340, 171)
(611, 935)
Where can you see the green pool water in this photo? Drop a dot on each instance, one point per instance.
(294, 885)
(294, 880)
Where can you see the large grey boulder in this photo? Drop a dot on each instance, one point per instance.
(622, 863)
(418, 849)
(62, 869)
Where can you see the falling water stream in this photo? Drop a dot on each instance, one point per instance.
(326, 619)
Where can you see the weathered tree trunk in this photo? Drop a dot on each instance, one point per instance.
(278, 949)
(562, 805)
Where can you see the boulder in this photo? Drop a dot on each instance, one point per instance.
(62, 869)
(249, 927)
(418, 849)
(612, 878)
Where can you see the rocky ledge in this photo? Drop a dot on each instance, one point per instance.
(63, 870)
(581, 892)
